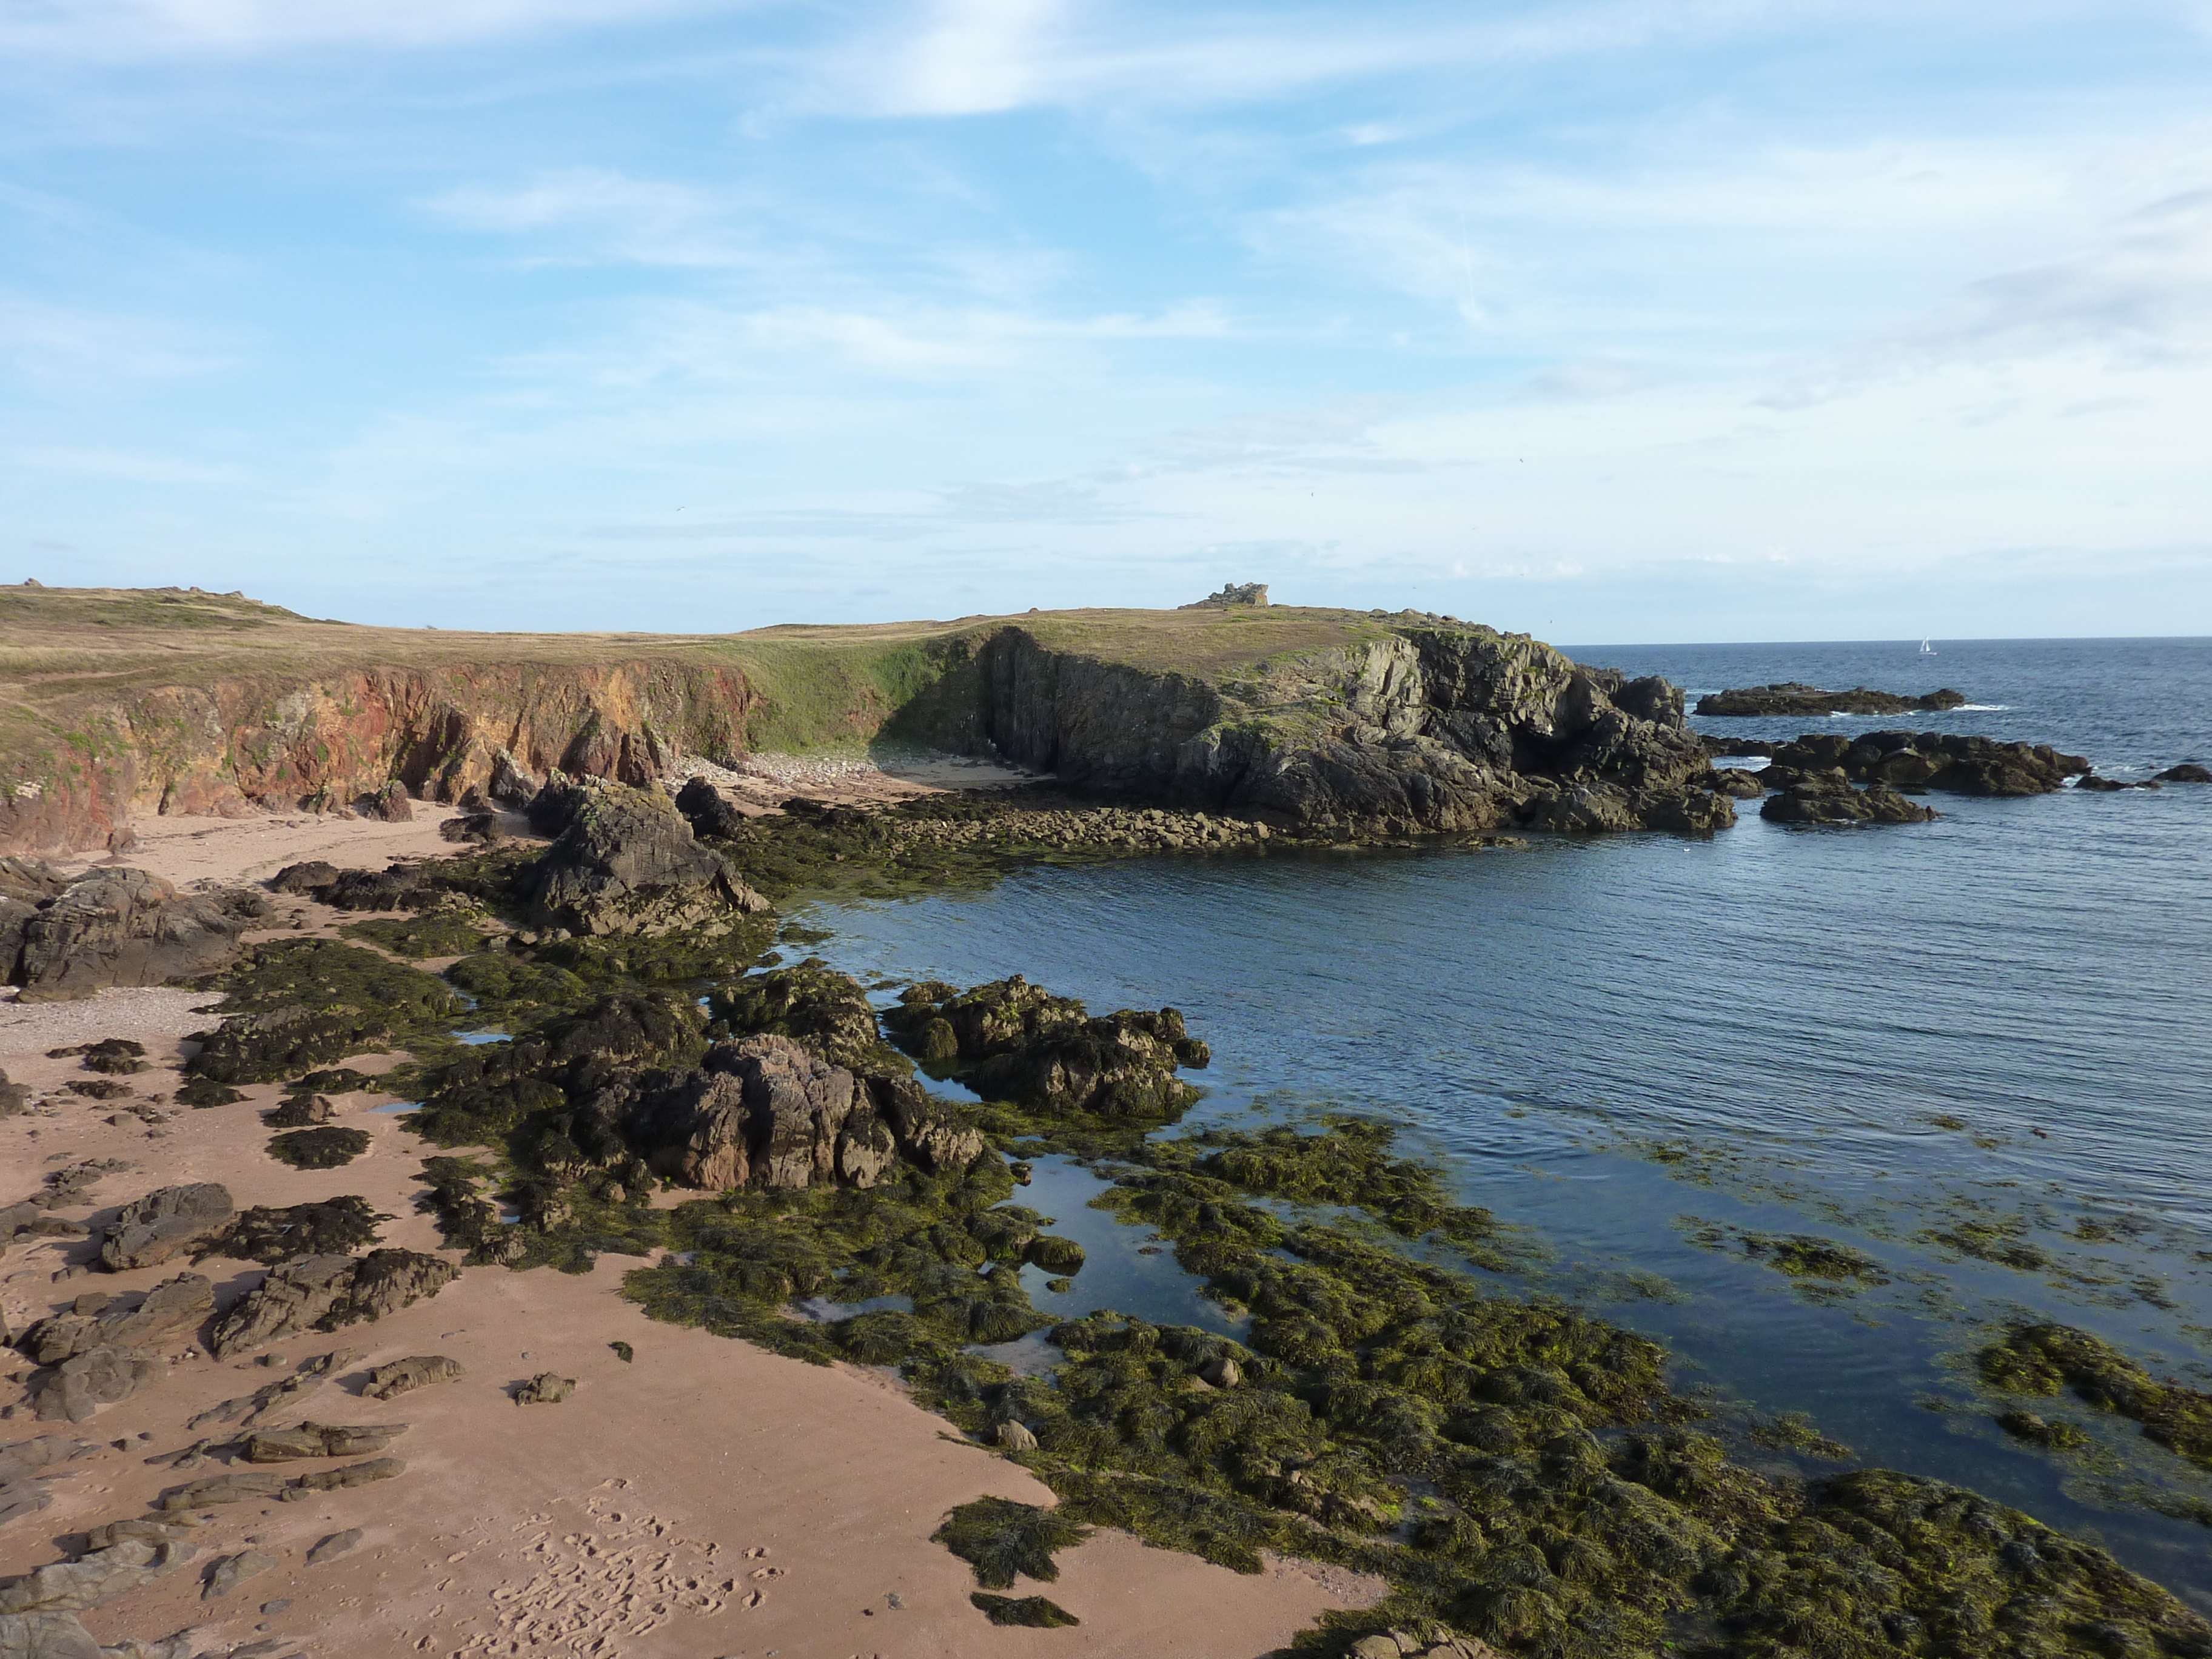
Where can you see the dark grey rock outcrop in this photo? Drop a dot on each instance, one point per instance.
(1828, 798)
(2187, 772)
(1794, 699)
(1913, 761)
(628, 864)
(124, 926)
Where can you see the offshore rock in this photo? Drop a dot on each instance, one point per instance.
(166, 1221)
(1794, 698)
(326, 1292)
(1422, 726)
(2187, 772)
(1913, 761)
(127, 927)
(627, 864)
(1828, 798)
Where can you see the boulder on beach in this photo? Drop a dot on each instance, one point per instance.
(121, 927)
(166, 1222)
(326, 1292)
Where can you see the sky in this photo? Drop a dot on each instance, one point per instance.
(1606, 319)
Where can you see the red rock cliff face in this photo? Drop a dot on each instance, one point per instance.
(242, 744)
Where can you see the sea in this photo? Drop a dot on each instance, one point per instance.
(1977, 1052)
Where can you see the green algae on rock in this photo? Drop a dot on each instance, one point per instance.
(293, 1004)
(323, 1148)
(1035, 1612)
(2045, 1359)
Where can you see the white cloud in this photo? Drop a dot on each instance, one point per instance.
(125, 30)
(598, 214)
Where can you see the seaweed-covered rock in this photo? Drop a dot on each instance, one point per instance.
(821, 1007)
(325, 1148)
(395, 887)
(628, 863)
(303, 879)
(116, 1056)
(405, 1375)
(307, 1002)
(353, 1474)
(1044, 1052)
(173, 1308)
(120, 927)
(269, 1235)
(326, 1292)
(166, 1222)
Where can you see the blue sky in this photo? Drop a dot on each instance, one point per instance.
(1703, 320)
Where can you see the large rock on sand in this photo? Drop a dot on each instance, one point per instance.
(326, 1292)
(85, 1382)
(148, 1230)
(628, 864)
(173, 1308)
(92, 1580)
(127, 927)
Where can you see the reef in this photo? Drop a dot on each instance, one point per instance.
(1794, 698)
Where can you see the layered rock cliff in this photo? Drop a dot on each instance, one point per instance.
(1423, 727)
(124, 704)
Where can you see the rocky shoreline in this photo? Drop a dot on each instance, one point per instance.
(1512, 1477)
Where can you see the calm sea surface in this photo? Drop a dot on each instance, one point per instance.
(1996, 1028)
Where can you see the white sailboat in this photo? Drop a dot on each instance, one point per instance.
(1926, 649)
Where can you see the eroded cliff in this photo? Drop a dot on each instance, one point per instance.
(123, 703)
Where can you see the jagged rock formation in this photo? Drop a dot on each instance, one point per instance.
(1419, 726)
(115, 926)
(172, 1309)
(1027, 1046)
(327, 1293)
(1794, 699)
(1231, 594)
(1927, 760)
(628, 863)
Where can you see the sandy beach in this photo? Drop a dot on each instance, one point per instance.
(704, 1498)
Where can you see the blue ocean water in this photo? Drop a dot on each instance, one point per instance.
(1986, 1033)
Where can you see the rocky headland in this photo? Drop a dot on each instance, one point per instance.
(1794, 700)
(127, 705)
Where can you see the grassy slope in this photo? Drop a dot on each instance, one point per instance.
(64, 651)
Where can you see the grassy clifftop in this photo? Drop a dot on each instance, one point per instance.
(119, 700)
